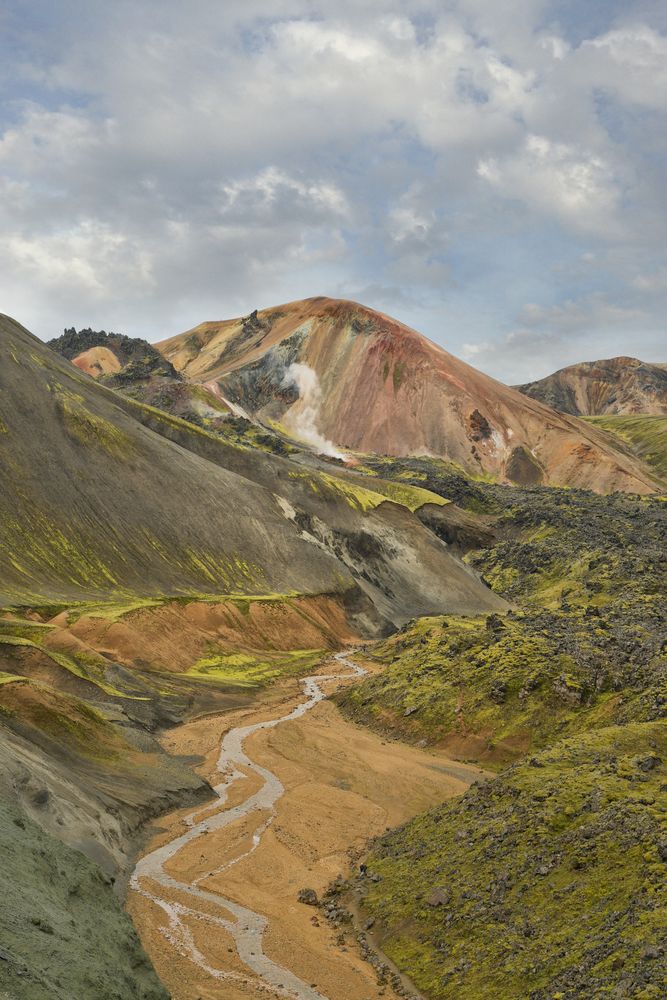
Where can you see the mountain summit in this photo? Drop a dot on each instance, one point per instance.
(343, 376)
(618, 386)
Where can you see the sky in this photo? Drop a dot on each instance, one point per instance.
(492, 174)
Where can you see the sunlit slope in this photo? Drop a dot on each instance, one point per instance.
(385, 389)
(616, 386)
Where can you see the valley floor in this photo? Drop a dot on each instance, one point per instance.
(342, 786)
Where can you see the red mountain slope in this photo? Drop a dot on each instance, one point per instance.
(335, 370)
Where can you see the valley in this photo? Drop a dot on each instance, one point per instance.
(240, 657)
(333, 500)
(311, 789)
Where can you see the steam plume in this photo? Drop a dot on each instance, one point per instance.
(303, 421)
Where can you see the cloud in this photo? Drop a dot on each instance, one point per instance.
(455, 159)
(576, 187)
(547, 338)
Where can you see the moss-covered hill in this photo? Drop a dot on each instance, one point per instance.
(583, 647)
(644, 436)
(492, 688)
(546, 883)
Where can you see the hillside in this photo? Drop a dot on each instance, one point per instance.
(337, 375)
(644, 436)
(119, 499)
(544, 881)
(617, 386)
(581, 648)
(107, 505)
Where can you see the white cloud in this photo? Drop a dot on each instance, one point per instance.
(556, 179)
(547, 338)
(159, 167)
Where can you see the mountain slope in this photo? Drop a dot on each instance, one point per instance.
(93, 503)
(101, 496)
(598, 388)
(644, 436)
(343, 376)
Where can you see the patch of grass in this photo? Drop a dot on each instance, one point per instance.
(90, 429)
(403, 493)
(254, 670)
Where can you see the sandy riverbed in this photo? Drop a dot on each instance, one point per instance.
(342, 786)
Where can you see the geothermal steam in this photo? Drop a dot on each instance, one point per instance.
(302, 417)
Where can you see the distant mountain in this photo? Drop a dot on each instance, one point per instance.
(341, 376)
(617, 386)
(119, 359)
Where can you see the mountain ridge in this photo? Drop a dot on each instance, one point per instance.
(381, 387)
(623, 386)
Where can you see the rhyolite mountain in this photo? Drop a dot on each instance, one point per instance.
(383, 388)
(623, 386)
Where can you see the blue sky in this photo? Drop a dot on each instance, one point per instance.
(492, 174)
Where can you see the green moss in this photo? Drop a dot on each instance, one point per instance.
(397, 375)
(503, 686)
(646, 437)
(88, 668)
(253, 670)
(7, 678)
(90, 429)
(405, 494)
(551, 874)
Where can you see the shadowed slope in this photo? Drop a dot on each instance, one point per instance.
(91, 502)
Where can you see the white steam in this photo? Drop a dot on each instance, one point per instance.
(302, 418)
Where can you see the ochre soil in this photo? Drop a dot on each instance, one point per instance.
(343, 786)
(174, 636)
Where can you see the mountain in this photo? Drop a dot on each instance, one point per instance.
(107, 355)
(338, 375)
(624, 386)
(100, 496)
